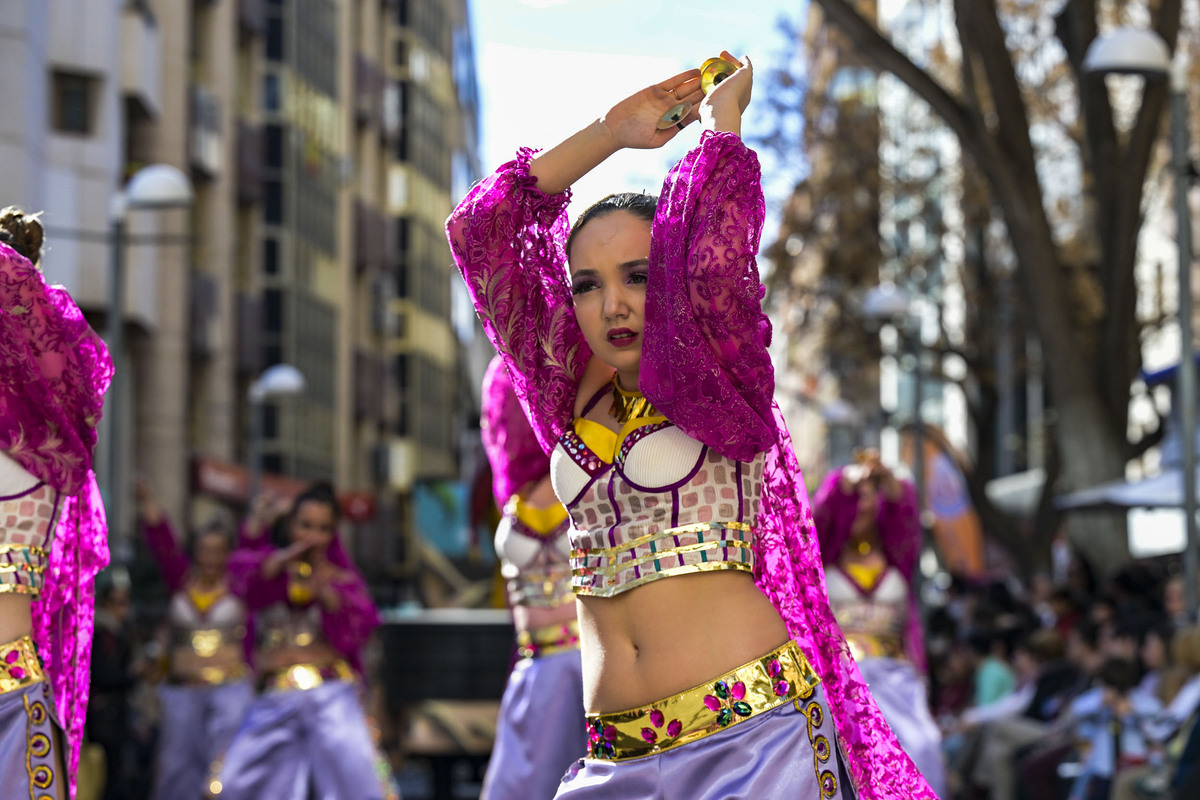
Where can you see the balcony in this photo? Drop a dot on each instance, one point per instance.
(368, 93)
(250, 144)
(252, 17)
(141, 59)
(372, 238)
(370, 386)
(204, 140)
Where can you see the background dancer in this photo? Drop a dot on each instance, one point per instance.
(538, 733)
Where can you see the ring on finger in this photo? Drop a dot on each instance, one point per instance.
(673, 94)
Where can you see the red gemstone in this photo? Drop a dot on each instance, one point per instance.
(17, 673)
(782, 688)
(674, 728)
(649, 735)
(610, 734)
(713, 703)
(656, 718)
(774, 667)
(739, 691)
(11, 656)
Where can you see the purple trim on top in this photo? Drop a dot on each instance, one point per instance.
(612, 539)
(606, 389)
(741, 496)
(867, 594)
(28, 491)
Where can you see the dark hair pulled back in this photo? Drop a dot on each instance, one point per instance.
(319, 492)
(22, 232)
(640, 204)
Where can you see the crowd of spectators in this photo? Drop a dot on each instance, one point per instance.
(1075, 689)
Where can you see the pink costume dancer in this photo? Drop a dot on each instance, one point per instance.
(870, 542)
(699, 487)
(306, 734)
(54, 371)
(538, 734)
(209, 685)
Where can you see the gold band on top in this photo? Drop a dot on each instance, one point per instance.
(698, 527)
(781, 676)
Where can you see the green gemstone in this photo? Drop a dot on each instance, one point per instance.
(721, 689)
(742, 708)
(725, 717)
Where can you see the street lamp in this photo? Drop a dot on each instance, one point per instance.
(280, 380)
(158, 186)
(1142, 52)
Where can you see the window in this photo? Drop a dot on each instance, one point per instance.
(73, 97)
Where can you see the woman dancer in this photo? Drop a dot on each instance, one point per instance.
(538, 735)
(870, 538)
(208, 686)
(53, 374)
(306, 734)
(648, 377)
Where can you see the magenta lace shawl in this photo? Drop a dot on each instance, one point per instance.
(513, 451)
(54, 371)
(899, 530)
(704, 365)
(347, 629)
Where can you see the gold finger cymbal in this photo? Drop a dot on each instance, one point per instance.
(714, 71)
(674, 115)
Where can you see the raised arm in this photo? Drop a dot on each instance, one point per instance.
(508, 239)
(160, 538)
(705, 363)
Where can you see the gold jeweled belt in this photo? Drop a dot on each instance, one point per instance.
(307, 676)
(19, 665)
(548, 640)
(781, 676)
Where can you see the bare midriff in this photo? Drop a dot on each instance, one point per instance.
(188, 665)
(664, 637)
(319, 654)
(16, 619)
(529, 618)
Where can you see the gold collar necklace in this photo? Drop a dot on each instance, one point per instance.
(628, 405)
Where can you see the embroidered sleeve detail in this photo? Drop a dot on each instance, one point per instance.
(508, 240)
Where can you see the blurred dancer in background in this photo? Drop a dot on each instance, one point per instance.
(209, 686)
(538, 734)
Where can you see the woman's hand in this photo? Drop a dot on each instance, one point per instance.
(633, 122)
(722, 108)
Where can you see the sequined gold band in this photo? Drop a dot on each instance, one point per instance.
(586, 590)
(698, 527)
(781, 676)
(19, 665)
(31, 549)
(867, 645)
(548, 640)
(542, 589)
(308, 676)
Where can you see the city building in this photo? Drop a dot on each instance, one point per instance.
(325, 141)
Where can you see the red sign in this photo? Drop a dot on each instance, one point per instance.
(231, 482)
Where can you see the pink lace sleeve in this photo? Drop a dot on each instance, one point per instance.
(790, 573)
(508, 239)
(704, 358)
(512, 449)
(349, 627)
(168, 555)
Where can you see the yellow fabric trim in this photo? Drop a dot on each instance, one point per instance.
(864, 576)
(686, 569)
(783, 675)
(604, 441)
(539, 520)
(649, 537)
(613, 569)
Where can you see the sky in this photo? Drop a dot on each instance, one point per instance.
(547, 68)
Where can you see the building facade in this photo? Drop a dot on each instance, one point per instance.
(321, 138)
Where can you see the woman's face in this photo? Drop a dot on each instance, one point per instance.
(314, 524)
(609, 259)
(212, 554)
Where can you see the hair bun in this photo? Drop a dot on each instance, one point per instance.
(22, 232)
